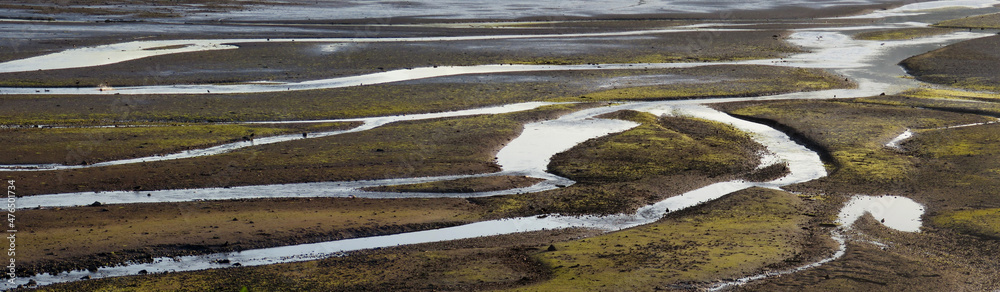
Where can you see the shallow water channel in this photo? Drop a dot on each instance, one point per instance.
(869, 63)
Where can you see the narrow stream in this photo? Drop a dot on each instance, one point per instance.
(805, 165)
(870, 64)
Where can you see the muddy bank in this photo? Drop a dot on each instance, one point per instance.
(470, 185)
(968, 64)
(89, 237)
(82, 146)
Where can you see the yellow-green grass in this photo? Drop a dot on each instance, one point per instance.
(980, 21)
(85, 237)
(463, 185)
(757, 81)
(854, 133)
(941, 99)
(902, 33)
(967, 65)
(739, 235)
(981, 222)
(951, 94)
(966, 141)
(659, 147)
(960, 169)
(618, 173)
(746, 232)
(92, 145)
(464, 145)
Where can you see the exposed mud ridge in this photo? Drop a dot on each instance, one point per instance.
(147, 254)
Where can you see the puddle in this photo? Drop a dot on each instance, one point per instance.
(899, 213)
(894, 143)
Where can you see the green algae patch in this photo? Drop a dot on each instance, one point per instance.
(464, 185)
(727, 81)
(902, 33)
(664, 146)
(980, 222)
(738, 235)
(91, 145)
(990, 21)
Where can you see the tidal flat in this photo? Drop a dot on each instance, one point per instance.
(526, 146)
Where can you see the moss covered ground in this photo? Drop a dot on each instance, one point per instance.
(749, 231)
(990, 21)
(967, 64)
(737, 235)
(950, 171)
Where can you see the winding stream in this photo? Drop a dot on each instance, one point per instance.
(871, 64)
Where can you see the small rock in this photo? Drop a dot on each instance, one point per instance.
(96, 204)
(143, 272)
(551, 248)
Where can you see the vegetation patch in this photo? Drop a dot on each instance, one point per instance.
(902, 33)
(464, 185)
(967, 64)
(990, 21)
(660, 146)
(418, 96)
(980, 222)
(738, 81)
(451, 146)
(618, 173)
(854, 133)
(741, 234)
